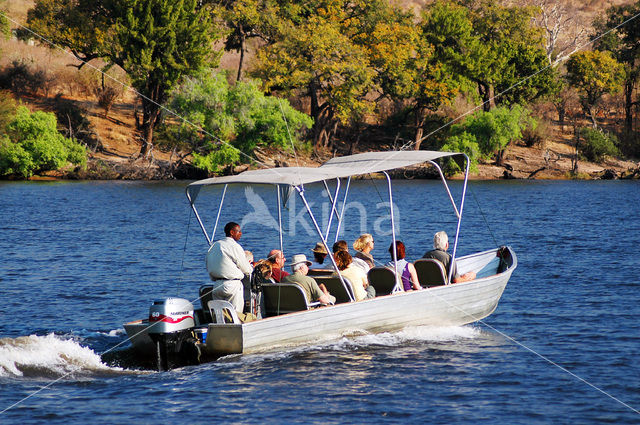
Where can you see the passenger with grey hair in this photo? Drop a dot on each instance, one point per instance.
(439, 252)
(314, 292)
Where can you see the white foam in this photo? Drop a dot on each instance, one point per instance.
(113, 332)
(359, 339)
(48, 357)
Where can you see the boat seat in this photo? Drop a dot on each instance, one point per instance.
(222, 311)
(319, 272)
(343, 294)
(431, 272)
(204, 294)
(382, 279)
(283, 298)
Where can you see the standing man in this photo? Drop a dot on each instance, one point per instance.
(276, 258)
(439, 252)
(227, 265)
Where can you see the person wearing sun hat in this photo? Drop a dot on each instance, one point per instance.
(319, 255)
(299, 269)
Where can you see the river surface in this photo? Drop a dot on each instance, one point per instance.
(78, 259)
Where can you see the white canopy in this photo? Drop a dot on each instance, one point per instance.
(345, 166)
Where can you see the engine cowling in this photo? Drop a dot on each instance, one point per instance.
(170, 315)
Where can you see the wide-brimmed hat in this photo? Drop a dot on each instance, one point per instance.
(299, 258)
(319, 248)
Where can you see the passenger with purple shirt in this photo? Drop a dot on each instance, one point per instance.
(405, 269)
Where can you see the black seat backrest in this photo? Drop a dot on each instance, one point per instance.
(283, 298)
(319, 272)
(382, 279)
(343, 294)
(205, 296)
(430, 272)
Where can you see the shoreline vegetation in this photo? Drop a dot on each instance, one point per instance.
(485, 78)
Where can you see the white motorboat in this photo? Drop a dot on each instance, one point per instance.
(177, 333)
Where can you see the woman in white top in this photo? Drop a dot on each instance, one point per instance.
(361, 288)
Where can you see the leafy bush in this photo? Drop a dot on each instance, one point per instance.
(7, 110)
(106, 97)
(487, 134)
(241, 115)
(536, 133)
(597, 144)
(21, 79)
(462, 142)
(33, 144)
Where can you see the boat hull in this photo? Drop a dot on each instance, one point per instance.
(450, 305)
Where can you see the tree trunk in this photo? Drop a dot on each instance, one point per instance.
(419, 123)
(242, 50)
(486, 92)
(150, 114)
(628, 106)
(419, 132)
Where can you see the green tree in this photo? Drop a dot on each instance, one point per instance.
(317, 55)
(82, 26)
(32, 144)
(624, 42)
(405, 67)
(594, 73)
(597, 144)
(494, 46)
(241, 114)
(155, 41)
(488, 134)
(246, 20)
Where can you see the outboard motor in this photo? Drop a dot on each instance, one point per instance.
(171, 329)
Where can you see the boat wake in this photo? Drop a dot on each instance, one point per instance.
(51, 357)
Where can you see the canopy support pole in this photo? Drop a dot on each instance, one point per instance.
(464, 193)
(224, 192)
(344, 203)
(334, 200)
(398, 287)
(326, 186)
(279, 218)
(324, 242)
(204, 230)
(446, 186)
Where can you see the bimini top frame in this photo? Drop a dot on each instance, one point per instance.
(336, 168)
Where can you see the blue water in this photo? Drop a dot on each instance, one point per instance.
(78, 259)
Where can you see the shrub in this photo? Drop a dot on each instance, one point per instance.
(465, 143)
(7, 110)
(33, 144)
(536, 133)
(21, 79)
(240, 114)
(73, 123)
(106, 97)
(597, 144)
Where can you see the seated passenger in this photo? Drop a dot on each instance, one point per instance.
(300, 268)
(262, 272)
(361, 288)
(439, 252)
(363, 246)
(276, 258)
(406, 270)
(249, 255)
(340, 246)
(319, 255)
